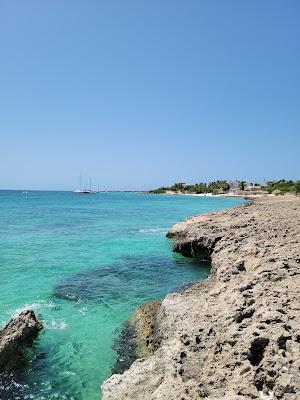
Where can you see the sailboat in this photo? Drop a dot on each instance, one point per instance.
(83, 191)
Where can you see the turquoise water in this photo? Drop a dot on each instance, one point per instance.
(84, 263)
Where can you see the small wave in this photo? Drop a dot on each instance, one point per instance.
(9, 385)
(153, 230)
(83, 310)
(37, 306)
(56, 325)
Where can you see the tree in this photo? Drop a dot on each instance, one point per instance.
(178, 187)
(242, 185)
(283, 186)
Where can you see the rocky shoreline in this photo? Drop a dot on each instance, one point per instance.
(137, 336)
(235, 335)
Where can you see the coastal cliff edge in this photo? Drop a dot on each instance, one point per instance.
(236, 335)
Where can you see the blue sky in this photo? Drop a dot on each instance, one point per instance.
(140, 93)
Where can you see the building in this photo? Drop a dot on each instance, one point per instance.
(253, 187)
(234, 187)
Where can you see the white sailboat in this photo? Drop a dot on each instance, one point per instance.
(83, 191)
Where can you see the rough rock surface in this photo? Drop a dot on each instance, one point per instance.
(19, 332)
(235, 336)
(143, 322)
(137, 337)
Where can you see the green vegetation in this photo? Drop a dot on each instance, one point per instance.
(159, 190)
(242, 185)
(211, 187)
(197, 188)
(218, 186)
(276, 187)
(282, 186)
(178, 187)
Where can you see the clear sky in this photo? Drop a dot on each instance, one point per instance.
(140, 93)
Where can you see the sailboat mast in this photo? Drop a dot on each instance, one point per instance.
(90, 184)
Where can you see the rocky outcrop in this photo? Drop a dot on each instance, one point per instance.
(19, 332)
(136, 339)
(235, 336)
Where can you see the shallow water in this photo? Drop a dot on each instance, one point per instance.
(84, 262)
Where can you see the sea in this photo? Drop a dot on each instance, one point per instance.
(83, 263)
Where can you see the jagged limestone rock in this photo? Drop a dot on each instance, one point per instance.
(236, 335)
(17, 334)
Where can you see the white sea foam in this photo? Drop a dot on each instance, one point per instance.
(56, 325)
(83, 310)
(17, 311)
(153, 230)
(37, 306)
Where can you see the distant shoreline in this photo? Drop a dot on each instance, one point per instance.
(244, 195)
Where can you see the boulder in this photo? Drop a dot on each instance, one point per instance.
(17, 334)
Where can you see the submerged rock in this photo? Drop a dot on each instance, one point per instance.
(95, 285)
(117, 282)
(17, 334)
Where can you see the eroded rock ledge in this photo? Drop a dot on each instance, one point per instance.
(137, 336)
(17, 334)
(235, 336)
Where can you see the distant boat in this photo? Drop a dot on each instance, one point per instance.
(83, 191)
